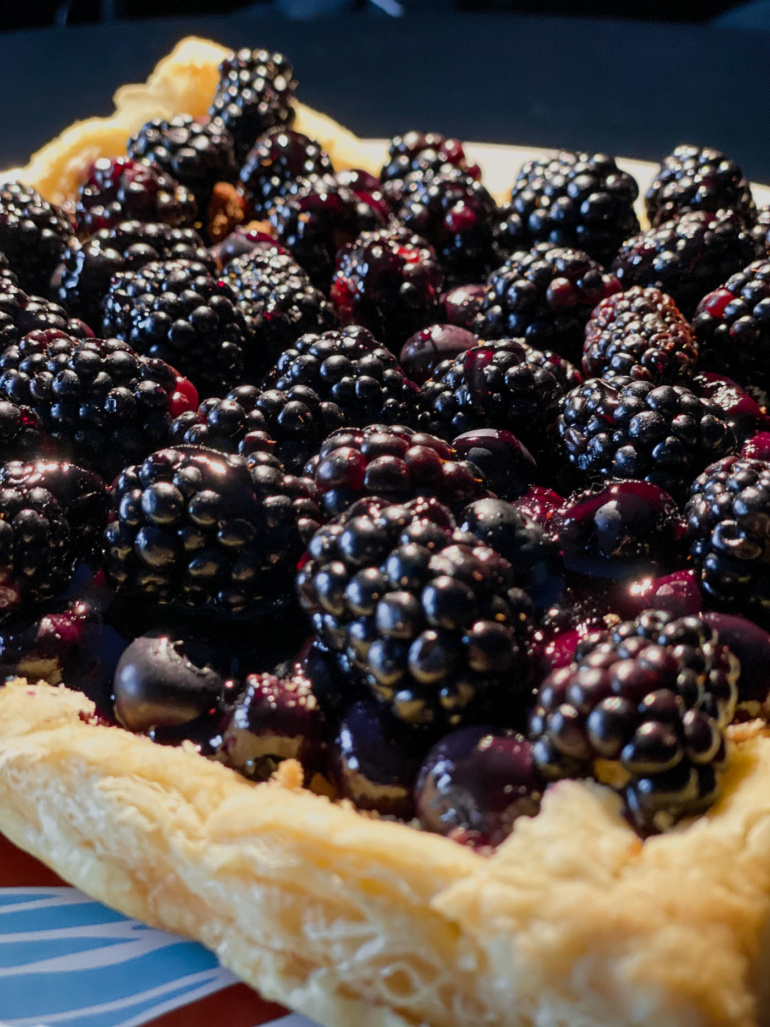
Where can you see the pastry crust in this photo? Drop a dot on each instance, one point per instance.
(571, 923)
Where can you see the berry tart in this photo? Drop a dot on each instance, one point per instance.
(427, 691)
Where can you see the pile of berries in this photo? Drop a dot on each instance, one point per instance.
(445, 500)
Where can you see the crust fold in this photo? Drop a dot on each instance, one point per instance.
(349, 919)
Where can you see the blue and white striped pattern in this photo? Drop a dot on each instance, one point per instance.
(67, 961)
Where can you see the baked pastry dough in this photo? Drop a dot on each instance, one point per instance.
(573, 922)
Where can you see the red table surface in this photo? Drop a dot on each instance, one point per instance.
(236, 1006)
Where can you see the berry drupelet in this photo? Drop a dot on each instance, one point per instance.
(623, 428)
(581, 200)
(688, 257)
(88, 266)
(428, 618)
(640, 333)
(389, 281)
(37, 556)
(394, 463)
(122, 189)
(21, 433)
(255, 92)
(177, 311)
(206, 531)
(546, 296)
(317, 216)
(728, 523)
(21, 314)
(351, 370)
(642, 707)
(420, 154)
(458, 217)
(33, 234)
(103, 404)
(732, 326)
(197, 155)
(278, 301)
(697, 178)
(498, 385)
(277, 160)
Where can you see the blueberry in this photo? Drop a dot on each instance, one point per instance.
(751, 644)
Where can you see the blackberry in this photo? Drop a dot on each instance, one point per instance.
(88, 266)
(697, 178)
(643, 708)
(546, 296)
(761, 230)
(278, 301)
(315, 218)
(739, 409)
(21, 433)
(425, 616)
(33, 234)
(37, 557)
(291, 424)
(122, 189)
(688, 257)
(277, 159)
(728, 524)
(351, 370)
(391, 462)
(494, 385)
(196, 155)
(422, 153)
(255, 92)
(206, 531)
(103, 404)
(732, 326)
(176, 311)
(663, 434)
(640, 333)
(581, 200)
(389, 281)
(21, 314)
(458, 218)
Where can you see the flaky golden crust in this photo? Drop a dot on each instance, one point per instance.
(572, 923)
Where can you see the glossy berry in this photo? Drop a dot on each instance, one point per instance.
(317, 216)
(640, 333)
(540, 504)
(276, 161)
(389, 281)
(462, 303)
(629, 429)
(507, 464)
(393, 463)
(544, 295)
(687, 258)
(178, 312)
(206, 531)
(350, 369)
(728, 522)
(102, 404)
(21, 314)
(33, 234)
(739, 409)
(88, 266)
(426, 617)
(255, 92)
(197, 154)
(475, 783)
(374, 761)
(422, 352)
(501, 385)
(620, 530)
(81, 494)
(697, 178)
(576, 199)
(643, 708)
(277, 717)
(122, 189)
(37, 555)
(422, 153)
(278, 302)
(457, 216)
(21, 433)
(732, 326)
(676, 593)
(165, 681)
(751, 644)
